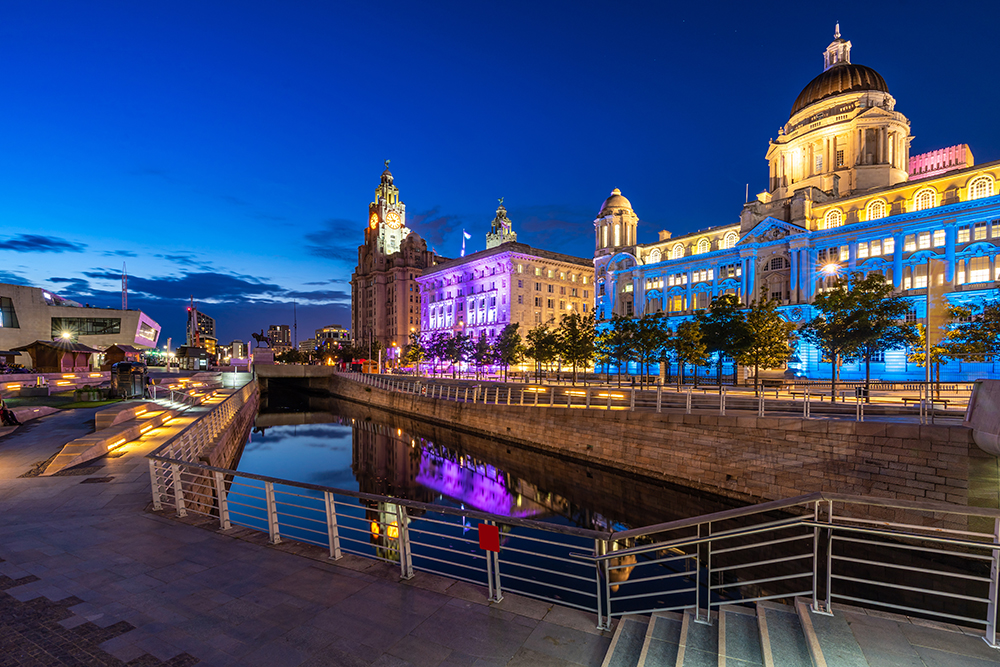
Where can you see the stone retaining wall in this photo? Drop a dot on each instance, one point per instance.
(745, 458)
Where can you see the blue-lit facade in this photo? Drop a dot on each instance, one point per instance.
(844, 195)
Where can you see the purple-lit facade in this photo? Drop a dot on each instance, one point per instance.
(509, 282)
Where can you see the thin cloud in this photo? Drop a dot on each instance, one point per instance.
(337, 239)
(38, 243)
(119, 253)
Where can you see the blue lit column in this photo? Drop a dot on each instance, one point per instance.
(751, 272)
(794, 278)
(852, 255)
(690, 304)
(949, 252)
(810, 272)
(897, 260)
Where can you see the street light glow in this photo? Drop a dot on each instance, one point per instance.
(831, 268)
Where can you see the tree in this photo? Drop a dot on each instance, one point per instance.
(941, 352)
(437, 349)
(769, 338)
(880, 324)
(688, 348)
(291, 357)
(415, 351)
(975, 336)
(577, 340)
(614, 343)
(542, 345)
(646, 340)
(509, 348)
(482, 354)
(723, 330)
(835, 330)
(458, 348)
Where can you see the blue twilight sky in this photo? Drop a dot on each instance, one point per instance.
(229, 150)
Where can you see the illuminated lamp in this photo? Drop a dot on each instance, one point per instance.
(66, 335)
(392, 531)
(375, 529)
(831, 269)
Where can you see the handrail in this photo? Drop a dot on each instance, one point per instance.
(416, 504)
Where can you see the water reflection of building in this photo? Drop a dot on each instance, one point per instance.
(391, 462)
(386, 463)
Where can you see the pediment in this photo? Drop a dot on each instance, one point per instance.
(770, 229)
(876, 112)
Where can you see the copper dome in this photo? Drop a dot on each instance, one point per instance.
(841, 78)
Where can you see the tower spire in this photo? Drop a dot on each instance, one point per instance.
(836, 31)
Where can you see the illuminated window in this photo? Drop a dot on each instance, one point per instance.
(938, 238)
(920, 276)
(840, 158)
(604, 237)
(845, 253)
(995, 229)
(888, 246)
(863, 250)
(979, 270)
(520, 268)
(654, 256)
(8, 318)
(833, 219)
(963, 234)
(678, 251)
(980, 230)
(618, 235)
(730, 239)
(981, 187)
(876, 248)
(538, 271)
(925, 199)
(819, 164)
(910, 243)
(875, 210)
(924, 240)
(703, 246)
(777, 263)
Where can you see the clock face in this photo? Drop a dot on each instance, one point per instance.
(374, 220)
(392, 219)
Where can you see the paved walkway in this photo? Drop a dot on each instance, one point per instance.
(87, 576)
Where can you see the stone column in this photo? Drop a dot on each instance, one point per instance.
(897, 260)
(852, 254)
(793, 280)
(950, 232)
(690, 305)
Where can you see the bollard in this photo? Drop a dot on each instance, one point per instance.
(859, 410)
(536, 397)
(688, 401)
(722, 401)
(569, 400)
(631, 403)
(659, 397)
(508, 395)
(588, 398)
(609, 398)
(522, 396)
(760, 404)
(552, 396)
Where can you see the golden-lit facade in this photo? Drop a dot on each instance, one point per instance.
(844, 195)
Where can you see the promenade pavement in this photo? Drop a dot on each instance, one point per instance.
(89, 577)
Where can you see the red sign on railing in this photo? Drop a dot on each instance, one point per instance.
(489, 537)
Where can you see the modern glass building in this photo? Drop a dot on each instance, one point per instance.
(844, 195)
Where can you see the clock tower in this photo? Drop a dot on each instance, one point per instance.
(387, 216)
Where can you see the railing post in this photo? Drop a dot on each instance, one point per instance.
(760, 404)
(154, 483)
(631, 403)
(688, 408)
(722, 402)
(332, 531)
(536, 397)
(588, 397)
(609, 397)
(659, 397)
(405, 559)
(493, 562)
(508, 395)
(805, 403)
(522, 396)
(220, 492)
(272, 514)
(178, 490)
(603, 592)
(991, 609)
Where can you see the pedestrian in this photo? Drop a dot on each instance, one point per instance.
(7, 416)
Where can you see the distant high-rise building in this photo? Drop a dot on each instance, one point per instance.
(385, 300)
(307, 346)
(334, 333)
(238, 349)
(201, 330)
(281, 337)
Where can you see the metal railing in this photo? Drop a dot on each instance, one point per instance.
(768, 401)
(931, 559)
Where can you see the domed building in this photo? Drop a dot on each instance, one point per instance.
(844, 196)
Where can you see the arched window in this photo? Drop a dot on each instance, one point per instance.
(703, 246)
(833, 219)
(730, 239)
(778, 263)
(654, 256)
(925, 199)
(875, 210)
(678, 251)
(618, 235)
(981, 187)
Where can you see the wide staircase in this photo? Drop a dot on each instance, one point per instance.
(769, 634)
